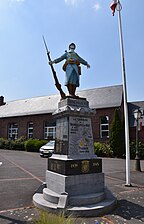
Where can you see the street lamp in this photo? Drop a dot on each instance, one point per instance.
(137, 116)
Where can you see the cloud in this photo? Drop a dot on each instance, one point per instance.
(73, 2)
(17, 0)
(8, 2)
(97, 7)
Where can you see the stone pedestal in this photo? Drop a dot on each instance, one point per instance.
(74, 177)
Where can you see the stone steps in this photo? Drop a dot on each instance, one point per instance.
(93, 198)
(41, 203)
(50, 196)
(97, 209)
(85, 199)
(104, 203)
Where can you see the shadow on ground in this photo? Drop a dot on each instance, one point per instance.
(9, 220)
(129, 210)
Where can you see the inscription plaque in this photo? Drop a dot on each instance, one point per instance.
(62, 136)
(80, 134)
(75, 167)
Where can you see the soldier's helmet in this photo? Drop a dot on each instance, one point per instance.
(72, 46)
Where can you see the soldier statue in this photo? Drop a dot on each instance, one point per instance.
(72, 68)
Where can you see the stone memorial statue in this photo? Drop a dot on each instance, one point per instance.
(72, 68)
(74, 179)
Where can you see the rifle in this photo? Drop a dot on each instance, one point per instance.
(57, 84)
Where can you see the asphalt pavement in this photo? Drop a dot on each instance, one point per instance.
(22, 173)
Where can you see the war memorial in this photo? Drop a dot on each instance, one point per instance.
(75, 183)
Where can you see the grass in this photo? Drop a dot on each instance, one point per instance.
(50, 218)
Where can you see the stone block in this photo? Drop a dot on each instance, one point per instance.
(75, 184)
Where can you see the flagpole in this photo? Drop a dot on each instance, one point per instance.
(119, 7)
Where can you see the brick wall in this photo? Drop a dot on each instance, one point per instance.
(39, 120)
(22, 121)
(133, 134)
(96, 122)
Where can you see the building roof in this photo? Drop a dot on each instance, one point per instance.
(105, 97)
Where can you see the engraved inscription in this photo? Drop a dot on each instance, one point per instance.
(62, 129)
(95, 164)
(78, 103)
(80, 138)
(55, 166)
(74, 165)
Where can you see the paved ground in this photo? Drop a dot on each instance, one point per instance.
(21, 173)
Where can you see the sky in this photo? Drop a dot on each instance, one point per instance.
(24, 68)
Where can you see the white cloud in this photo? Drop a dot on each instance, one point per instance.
(17, 0)
(5, 3)
(97, 6)
(73, 2)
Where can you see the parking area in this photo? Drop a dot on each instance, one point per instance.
(22, 173)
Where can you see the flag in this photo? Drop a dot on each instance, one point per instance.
(113, 6)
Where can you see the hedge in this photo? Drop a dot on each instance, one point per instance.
(103, 149)
(31, 145)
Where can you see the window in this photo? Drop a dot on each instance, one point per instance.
(30, 130)
(13, 131)
(49, 131)
(104, 127)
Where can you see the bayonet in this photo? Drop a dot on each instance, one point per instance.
(57, 84)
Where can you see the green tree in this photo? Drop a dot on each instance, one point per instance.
(117, 140)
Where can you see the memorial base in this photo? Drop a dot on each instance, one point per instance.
(74, 179)
(77, 195)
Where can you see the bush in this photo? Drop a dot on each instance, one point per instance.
(18, 144)
(4, 143)
(102, 149)
(117, 138)
(33, 145)
(97, 148)
(12, 144)
(133, 150)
